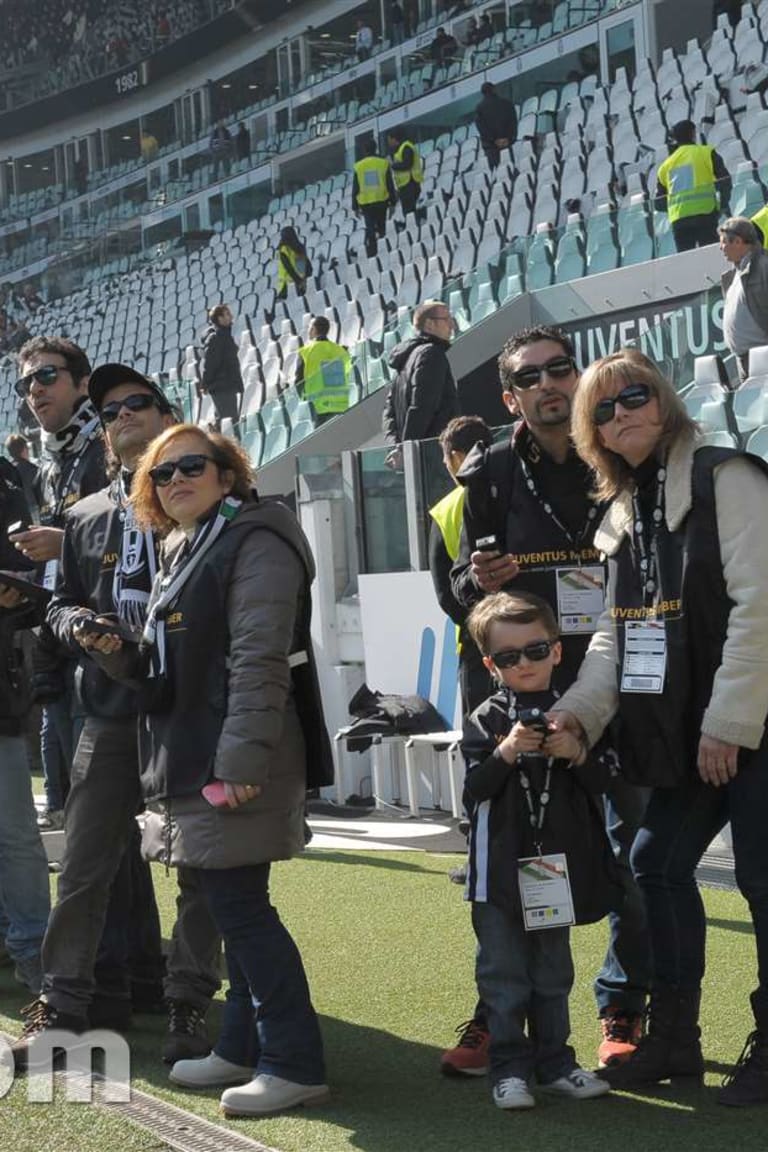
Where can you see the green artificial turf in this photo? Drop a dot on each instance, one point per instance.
(389, 952)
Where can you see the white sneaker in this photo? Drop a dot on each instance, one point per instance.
(512, 1093)
(211, 1071)
(51, 820)
(267, 1094)
(578, 1085)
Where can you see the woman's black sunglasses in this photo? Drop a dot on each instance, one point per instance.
(136, 402)
(633, 396)
(190, 466)
(511, 657)
(45, 375)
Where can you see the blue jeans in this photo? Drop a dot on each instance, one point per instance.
(679, 825)
(24, 892)
(524, 976)
(624, 979)
(265, 965)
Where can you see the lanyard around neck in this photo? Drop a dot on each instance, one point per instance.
(574, 541)
(647, 552)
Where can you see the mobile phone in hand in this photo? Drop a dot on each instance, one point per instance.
(17, 528)
(534, 718)
(215, 793)
(486, 544)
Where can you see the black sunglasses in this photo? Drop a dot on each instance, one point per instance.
(136, 402)
(510, 657)
(45, 375)
(529, 377)
(190, 466)
(633, 396)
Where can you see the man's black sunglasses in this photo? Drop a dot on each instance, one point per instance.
(136, 402)
(511, 657)
(529, 377)
(190, 466)
(46, 374)
(633, 396)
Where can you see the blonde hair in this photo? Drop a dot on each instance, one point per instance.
(607, 377)
(509, 608)
(227, 455)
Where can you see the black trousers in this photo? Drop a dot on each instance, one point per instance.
(695, 231)
(375, 219)
(409, 195)
(226, 402)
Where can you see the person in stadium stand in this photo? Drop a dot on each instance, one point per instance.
(17, 447)
(683, 553)
(54, 382)
(442, 48)
(293, 264)
(745, 289)
(221, 376)
(363, 41)
(529, 503)
(693, 187)
(760, 221)
(108, 565)
(243, 142)
(220, 147)
(373, 192)
(496, 121)
(397, 21)
(422, 398)
(323, 372)
(407, 169)
(25, 903)
(225, 772)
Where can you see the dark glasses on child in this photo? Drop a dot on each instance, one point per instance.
(511, 657)
(190, 466)
(633, 396)
(46, 374)
(136, 402)
(529, 377)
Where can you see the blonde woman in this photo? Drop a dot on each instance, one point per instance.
(681, 655)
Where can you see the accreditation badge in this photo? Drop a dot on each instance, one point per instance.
(645, 656)
(545, 892)
(580, 598)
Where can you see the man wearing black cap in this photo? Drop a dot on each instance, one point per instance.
(691, 182)
(108, 566)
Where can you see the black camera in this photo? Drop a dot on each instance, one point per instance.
(534, 718)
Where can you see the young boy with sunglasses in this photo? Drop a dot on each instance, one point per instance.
(539, 858)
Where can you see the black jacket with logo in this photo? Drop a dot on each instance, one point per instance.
(92, 546)
(423, 398)
(501, 832)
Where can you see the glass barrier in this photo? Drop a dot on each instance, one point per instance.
(383, 514)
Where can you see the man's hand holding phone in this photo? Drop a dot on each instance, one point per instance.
(491, 569)
(98, 634)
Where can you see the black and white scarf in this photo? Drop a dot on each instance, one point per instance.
(136, 567)
(83, 426)
(167, 588)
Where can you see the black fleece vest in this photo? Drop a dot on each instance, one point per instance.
(659, 734)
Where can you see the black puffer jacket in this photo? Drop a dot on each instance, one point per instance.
(423, 398)
(221, 366)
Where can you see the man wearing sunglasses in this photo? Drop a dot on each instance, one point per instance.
(529, 523)
(108, 566)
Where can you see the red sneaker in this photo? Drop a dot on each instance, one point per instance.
(470, 1056)
(622, 1032)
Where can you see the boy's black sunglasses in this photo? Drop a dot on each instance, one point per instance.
(190, 466)
(136, 402)
(46, 374)
(633, 396)
(511, 657)
(529, 377)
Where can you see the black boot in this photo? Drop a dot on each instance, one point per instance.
(671, 1046)
(748, 1082)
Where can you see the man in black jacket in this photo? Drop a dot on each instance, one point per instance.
(423, 397)
(533, 495)
(496, 121)
(108, 566)
(23, 863)
(221, 367)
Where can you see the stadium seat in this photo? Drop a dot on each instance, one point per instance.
(758, 442)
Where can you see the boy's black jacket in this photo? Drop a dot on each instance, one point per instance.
(501, 832)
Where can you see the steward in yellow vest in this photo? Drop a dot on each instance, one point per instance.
(760, 220)
(693, 187)
(324, 372)
(407, 169)
(373, 192)
(293, 264)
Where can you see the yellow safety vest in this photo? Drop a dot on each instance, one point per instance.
(296, 260)
(371, 174)
(327, 376)
(688, 176)
(448, 514)
(415, 172)
(761, 219)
